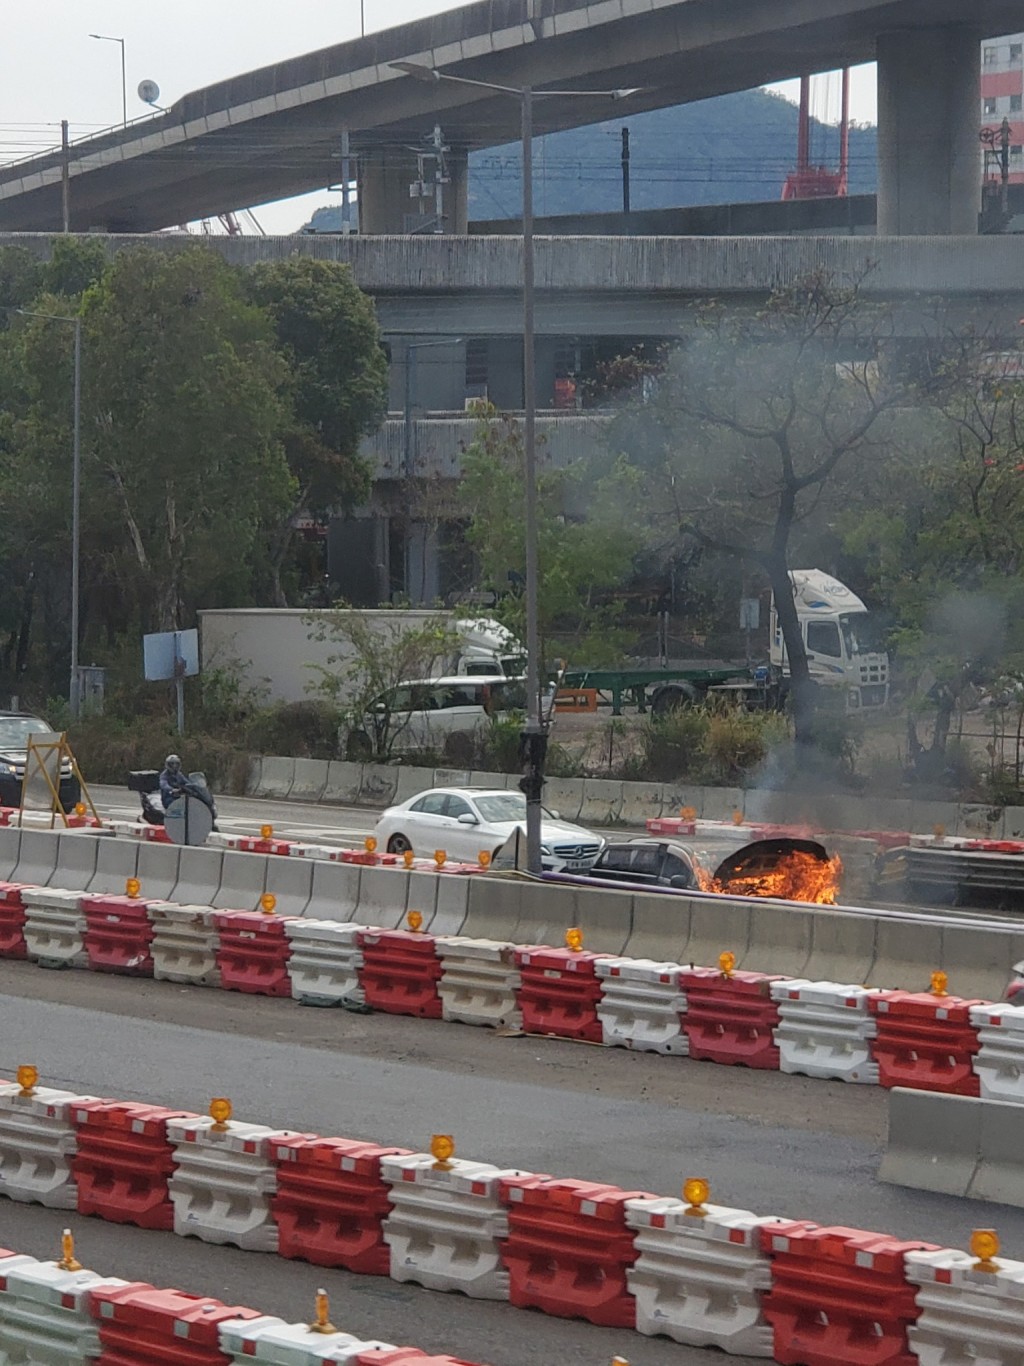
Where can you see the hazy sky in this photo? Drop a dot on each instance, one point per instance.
(50, 68)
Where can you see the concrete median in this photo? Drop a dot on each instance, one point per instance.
(412, 781)
(452, 905)
(243, 879)
(721, 803)
(157, 869)
(276, 778)
(661, 928)
(290, 882)
(199, 873)
(564, 795)
(934, 1141)
(906, 954)
(718, 925)
(495, 905)
(335, 892)
(384, 896)
(978, 964)
(641, 802)
(309, 781)
(378, 785)
(781, 939)
(37, 858)
(76, 861)
(544, 916)
(843, 949)
(1000, 1172)
(601, 803)
(604, 917)
(343, 783)
(116, 862)
(10, 843)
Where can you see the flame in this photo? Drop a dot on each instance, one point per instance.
(797, 876)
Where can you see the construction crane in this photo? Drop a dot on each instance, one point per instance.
(819, 182)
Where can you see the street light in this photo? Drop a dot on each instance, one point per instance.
(534, 739)
(104, 38)
(76, 496)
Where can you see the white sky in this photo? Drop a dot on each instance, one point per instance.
(50, 68)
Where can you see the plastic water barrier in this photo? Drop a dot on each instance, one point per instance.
(480, 981)
(559, 993)
(45, 1317)
(273, 1340)
(118, 934)
(925, 1041)
(642, 1005)
(966, 1314)
(224, 1181)
(325, 963)
(185, 943)
(825, 1029)
(38, 1141)
(700, 1275)
(123, 1161)
(447, 1225)
(54, 927)
(999, 1062)
(12, 921)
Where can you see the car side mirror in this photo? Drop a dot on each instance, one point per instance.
(679, 882)
(467, 819)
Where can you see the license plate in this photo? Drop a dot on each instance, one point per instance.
(574, 865)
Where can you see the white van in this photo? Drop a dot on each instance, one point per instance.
(442, 714)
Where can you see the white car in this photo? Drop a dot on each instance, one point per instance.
(465, 820)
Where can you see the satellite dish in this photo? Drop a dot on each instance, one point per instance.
(149, 92)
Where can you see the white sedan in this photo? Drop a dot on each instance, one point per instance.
(463, 821)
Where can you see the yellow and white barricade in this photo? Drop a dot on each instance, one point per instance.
(291, 1344)
(44, 1313)
(825, 1030)
(325, 962)
(641, 1005)
(223, 1182)
(185, 942)
(966, 1314)
(445, 1228)
(699, 1278)
(54, 927)
(38, 1139)
(999, 1064)
(479, 981)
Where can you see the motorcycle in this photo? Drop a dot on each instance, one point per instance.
(146, 782)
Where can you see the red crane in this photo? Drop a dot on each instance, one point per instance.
(819, 182)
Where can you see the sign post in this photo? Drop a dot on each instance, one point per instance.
(171, 655)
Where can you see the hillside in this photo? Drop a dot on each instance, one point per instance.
(732, 149)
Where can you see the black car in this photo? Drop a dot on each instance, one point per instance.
(15, 728)
(658, 863)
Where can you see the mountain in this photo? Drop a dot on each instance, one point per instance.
(732, 149)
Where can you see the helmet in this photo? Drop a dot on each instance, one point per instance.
(172, 763)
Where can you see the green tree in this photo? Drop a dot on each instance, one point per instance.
(327, 329)
(586, 539)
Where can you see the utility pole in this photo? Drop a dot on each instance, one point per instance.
(1004, 169)
(625, 170)
(65, 176)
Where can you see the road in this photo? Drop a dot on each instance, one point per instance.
(776, 1144)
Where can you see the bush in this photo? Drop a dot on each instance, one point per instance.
(675, 745)
(706, 744)
(107, 750)
(302, 730)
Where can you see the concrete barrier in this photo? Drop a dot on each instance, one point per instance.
(378, 785)
(906, 954)
(641, 802)
(76, 861)
(252, 780)
(198, 876)
(343, 783)
(843, 949)
(721, 803)
(661, 928)
(384, 896)
(601, 803)
(37, 858)
(157, 869)
(925, 816)
(781, 939)
(412, 781)
(564, 795)
(718, 926)
(495, 905)
(545, 913)
(934, 1141)
(451, 777)
(1013, 823)
(243, 879)
(10, 843)
(310, 780)
(606, 918)
(501, 780)
(116, 862)
(979, 821)
(276, 777)
(335, 892)
(978, 964)
(451, 906)
(676, 797)
(290, 881)
(1000, 1172)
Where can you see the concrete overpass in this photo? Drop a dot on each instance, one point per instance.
(276, 132)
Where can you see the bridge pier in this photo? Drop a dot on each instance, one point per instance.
(929, 157)
(385, 174)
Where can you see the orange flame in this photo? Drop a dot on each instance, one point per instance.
(797, 876)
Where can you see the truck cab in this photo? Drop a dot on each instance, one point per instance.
(486, 648)
(841, 637)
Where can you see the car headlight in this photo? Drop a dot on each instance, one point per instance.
(6, 770)
(545, 850)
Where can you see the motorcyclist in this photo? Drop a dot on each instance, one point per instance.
(172, 781)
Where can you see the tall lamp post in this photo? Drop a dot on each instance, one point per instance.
(534, 737)
(74, 696)
(105, 38)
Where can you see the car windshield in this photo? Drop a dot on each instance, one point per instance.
(863, 633)
(15, 730)
(505, 806)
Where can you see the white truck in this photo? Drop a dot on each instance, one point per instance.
(277, 648)
(841, 637)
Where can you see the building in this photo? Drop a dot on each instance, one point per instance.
(1002, 95)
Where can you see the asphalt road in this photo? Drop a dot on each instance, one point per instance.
(775, 1144)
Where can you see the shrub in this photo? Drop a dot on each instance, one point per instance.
(304, 730)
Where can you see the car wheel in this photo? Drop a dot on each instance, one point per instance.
(398, 844)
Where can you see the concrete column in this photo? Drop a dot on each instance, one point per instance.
(929, 157)
(385, 175)
(423, 586)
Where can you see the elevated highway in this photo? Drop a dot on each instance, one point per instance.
(276, 132)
